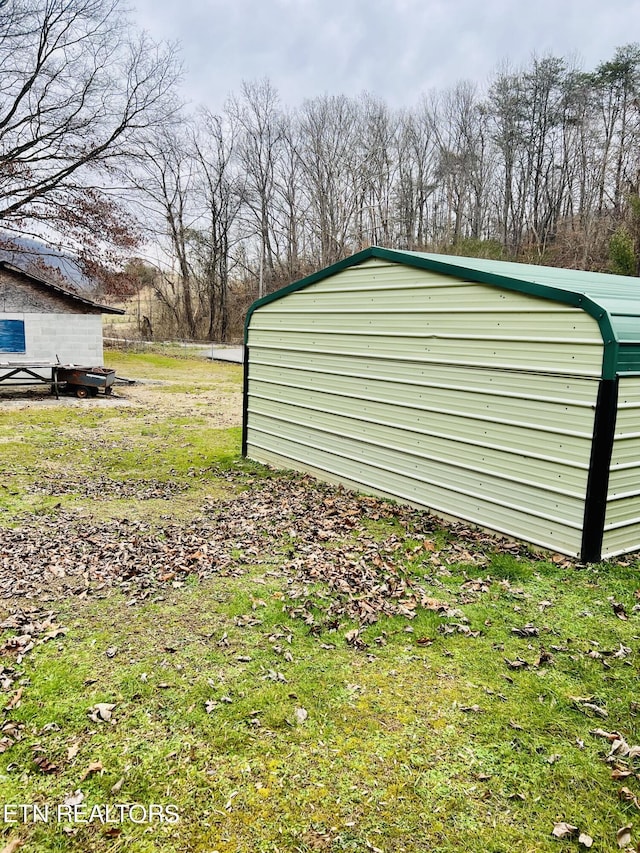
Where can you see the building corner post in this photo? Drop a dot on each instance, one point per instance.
(245, 400)
(599, 467)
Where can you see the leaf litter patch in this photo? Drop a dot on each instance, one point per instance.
(318, 536)
(105, 489)
(319, 539)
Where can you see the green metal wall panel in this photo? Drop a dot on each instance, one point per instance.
(425, 452)
(513, 325)
(472, 401)
(627, 422)
(413, 404)
(576, 360)
(625, 453)
(624, 481)
(624, 511)
(546, 532)
(567, 389)
(622, 520)
(629, 393)
(619, 540)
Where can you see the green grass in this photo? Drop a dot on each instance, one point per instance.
(155, 442)
(181, 366)
(422, 737)
(387, 755)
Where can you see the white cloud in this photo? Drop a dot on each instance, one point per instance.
(395, 49)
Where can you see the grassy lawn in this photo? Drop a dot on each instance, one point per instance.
(284, 666)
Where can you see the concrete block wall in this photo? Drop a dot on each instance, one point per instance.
(68, 338)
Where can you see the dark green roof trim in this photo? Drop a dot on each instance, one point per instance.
(509, 276)
(344, 264)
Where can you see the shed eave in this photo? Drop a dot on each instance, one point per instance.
(462, 269)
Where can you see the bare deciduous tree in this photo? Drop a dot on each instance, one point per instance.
(167, 183)
(79, 93)
(260, 125)
(544, 166)
(221, 193)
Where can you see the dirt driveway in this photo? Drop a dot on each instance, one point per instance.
(220, 407)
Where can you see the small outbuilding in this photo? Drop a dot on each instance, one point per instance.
(503, 394)
(43, 323)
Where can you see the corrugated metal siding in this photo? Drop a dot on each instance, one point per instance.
(385, 310)
(622, 520)
(628, 358)
(470, 400)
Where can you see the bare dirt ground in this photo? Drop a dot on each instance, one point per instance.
(219, 408)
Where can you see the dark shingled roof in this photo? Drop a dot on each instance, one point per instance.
(62, 291)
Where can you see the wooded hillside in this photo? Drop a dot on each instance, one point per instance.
(100, 161)
(543, 166)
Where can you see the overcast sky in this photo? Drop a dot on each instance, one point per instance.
(394, 49)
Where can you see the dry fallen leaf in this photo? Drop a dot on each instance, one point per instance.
(623, 836)
(608, 735)
(434, 604)
(622, 653)
(619, 774)
(115, 789)
(13, 845)
(14, 702)
(586, 703)
(301, 715)
(101, 712)
(113, 832)
(73, 750)
(596, 709)
(518, 663)
(44, 765)
(94, 767)
(74, 799)
(564, 830)
(619, 610)
(543, 657)
(619, 747)
(585, 840)
(527, 630)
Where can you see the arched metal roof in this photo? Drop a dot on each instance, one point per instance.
(612, 300)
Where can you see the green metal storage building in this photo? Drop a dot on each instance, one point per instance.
(503, 394)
